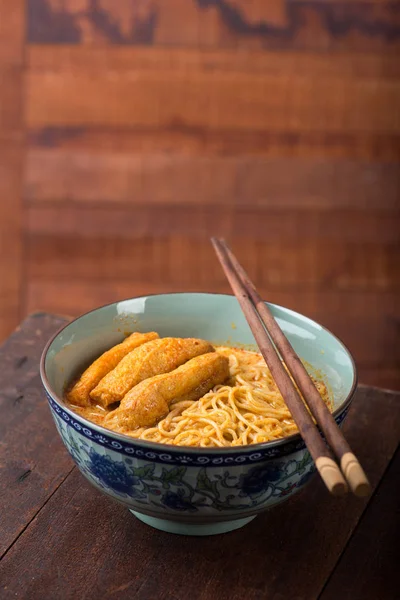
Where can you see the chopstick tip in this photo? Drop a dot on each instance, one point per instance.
(362, 490)
(331, 476)
(355, 475)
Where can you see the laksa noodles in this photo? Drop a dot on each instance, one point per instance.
(184, 392)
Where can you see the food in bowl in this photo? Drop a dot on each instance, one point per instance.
(103, 365)
(199, 490)
(184, 392)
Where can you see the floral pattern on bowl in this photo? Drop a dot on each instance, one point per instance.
(156, 488)
(166, 455)
(187, 490)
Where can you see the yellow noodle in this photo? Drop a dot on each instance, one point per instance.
(249, 410)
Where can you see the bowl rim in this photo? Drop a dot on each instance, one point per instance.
(294, 438)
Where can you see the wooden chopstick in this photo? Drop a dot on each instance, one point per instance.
(349, 463)
(327, 467)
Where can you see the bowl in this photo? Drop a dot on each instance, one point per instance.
(193, 491)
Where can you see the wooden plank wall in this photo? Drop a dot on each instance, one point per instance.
(150, 125)
(11, 163)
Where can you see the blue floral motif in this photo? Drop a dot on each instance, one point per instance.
(136, 449)
(177, 501)
(181, 488)
(112, 474)
(306, 477)
(259, 479)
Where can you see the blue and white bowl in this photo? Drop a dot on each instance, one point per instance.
(177, 489)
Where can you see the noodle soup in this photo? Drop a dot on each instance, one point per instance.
(194, 467)
(246, 408)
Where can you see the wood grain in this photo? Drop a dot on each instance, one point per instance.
(78, 521)
(374, 577)
(11, 103)
(153, 125)
(10, 232)
(11, 160)
(382, 376)
(350, 288)
(33, 461)
(201, 98)
(124, 59)
(74, 296)
(279, 263)
(281, 24)
(184, 141)
(95, 176)
(11, 33)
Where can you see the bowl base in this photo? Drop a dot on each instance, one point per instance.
(190, 529)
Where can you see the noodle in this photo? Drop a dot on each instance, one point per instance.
(250, 410)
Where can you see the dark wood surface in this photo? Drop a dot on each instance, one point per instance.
(61, 538)
(131, 131)
(367, 568)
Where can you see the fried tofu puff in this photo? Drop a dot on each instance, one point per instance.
(154, 358)
(149, 401)
(79, 394)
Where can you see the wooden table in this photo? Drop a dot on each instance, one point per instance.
(61, 538)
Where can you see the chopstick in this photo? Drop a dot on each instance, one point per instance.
(326, 466)
(349, 463)
(265, 329)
